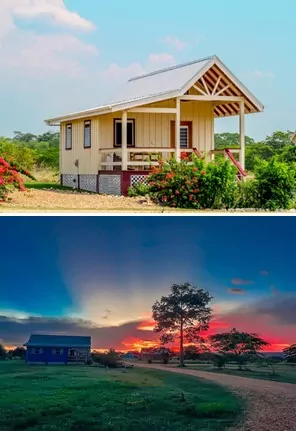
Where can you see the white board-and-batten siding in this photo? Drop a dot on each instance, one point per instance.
(151, 130)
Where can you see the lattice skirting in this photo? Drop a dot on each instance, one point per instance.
(88, 183)
(136, 179)
(70, 180)
(110, 184)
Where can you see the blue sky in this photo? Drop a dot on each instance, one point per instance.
(65, 274)
(58, 56)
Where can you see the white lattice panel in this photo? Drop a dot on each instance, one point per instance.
(70, 180)
(136, 179)
(110, 184)
(88, 182)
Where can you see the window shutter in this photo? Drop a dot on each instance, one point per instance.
(184, 137)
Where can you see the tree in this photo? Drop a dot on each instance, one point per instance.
(2, 352)
(19, 352)
(230, 140)
(182, 315)
(290, 353)
(165, 354)
(279, 139)
(241, 345)
(24, 137)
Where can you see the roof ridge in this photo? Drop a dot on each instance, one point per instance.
(167, 69)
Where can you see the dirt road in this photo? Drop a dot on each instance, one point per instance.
(271, 406)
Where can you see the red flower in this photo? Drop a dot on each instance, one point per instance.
(203, 172)
(177, 192)
(195, 191)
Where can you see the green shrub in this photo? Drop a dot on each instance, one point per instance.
(194, 184)
(247, 194)
(141, 189)
(275, 184)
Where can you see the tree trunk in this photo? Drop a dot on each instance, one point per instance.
(181, 346)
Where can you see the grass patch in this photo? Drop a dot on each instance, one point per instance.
(283, 373)
(90, 398)
(46, 186)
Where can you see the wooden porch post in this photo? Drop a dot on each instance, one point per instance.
(178, 124)
(242, 133)
(124, 141)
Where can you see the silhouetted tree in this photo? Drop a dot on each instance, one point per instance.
(182, 315)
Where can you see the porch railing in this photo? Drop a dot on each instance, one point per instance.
(140, 157)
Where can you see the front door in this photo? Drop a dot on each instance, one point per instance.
(185, 135)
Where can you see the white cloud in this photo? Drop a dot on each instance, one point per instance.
(53, 10)
(175, 42)
(162, 59)
(33, 53)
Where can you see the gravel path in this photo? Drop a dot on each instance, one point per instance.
(271, 406)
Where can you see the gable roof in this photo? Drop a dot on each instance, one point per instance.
(42, 340)
(162, 85)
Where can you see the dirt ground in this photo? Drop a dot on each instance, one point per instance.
(271, 406)
(47, 201)
(64, 200)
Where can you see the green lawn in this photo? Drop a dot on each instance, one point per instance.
(283, 373)
(90, 398)
(46, 186)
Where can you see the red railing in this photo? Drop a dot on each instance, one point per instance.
(241, 171)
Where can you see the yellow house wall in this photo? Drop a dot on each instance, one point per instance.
(88, 157)
(152, 130)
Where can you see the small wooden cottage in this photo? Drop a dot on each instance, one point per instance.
(58, 349)
(157, 115)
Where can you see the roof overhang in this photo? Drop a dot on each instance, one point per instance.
(239, 90)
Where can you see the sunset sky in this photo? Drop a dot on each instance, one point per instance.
(99, 276)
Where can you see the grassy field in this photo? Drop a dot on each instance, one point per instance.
(90, 398)
(283, 373)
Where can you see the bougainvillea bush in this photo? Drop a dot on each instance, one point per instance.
(10, 177)
(193, 183)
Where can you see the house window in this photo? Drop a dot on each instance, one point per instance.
(184, 134)
(69, 137)
(36, 351)
(118, 133)
(72, 353)
(57, 351)
(87, 134)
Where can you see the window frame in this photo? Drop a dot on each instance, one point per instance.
(87, 123)
(129, 121)
(69, 126)
(37, 351)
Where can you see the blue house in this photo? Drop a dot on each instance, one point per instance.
(57, 349)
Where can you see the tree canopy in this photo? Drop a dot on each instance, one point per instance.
(182, 315)
(290, 353)
(241, 345)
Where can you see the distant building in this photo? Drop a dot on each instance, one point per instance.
(57, 349)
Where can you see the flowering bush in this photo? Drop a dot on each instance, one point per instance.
(10, 177)
(193, 183)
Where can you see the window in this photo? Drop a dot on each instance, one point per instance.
(118, 133)
(57, 351)
(87, 134)
(69, 137)
(72, 353)
(36, 351)
(184, 137)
